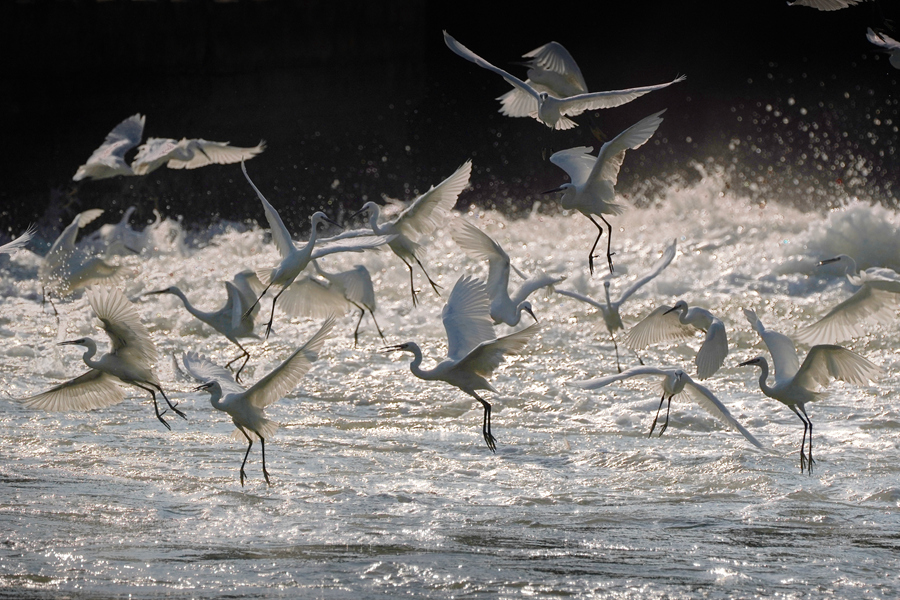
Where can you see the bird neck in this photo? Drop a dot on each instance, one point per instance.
(416, 365)
(188, 306)
(90, 351)
(374, 214)
(763, 376)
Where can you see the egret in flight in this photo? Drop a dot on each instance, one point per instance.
(796, 384)
(189, 154)
(675, 382)
(19, 242)
(610, 308)
(887, 43)
(675, 323)
(593, 178)
(294, 259)
(552, 111)
(130, 361)
(825, 4)
(877, 299)
(504, 309)
(246, 407)
(472, 351)
(109, 159)
(551, 69)
(420, 218)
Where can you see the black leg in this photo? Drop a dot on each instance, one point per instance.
(609, 252)
(172, 406)
(806, 424)
(249, 310)
(666, 424)
(272, 316)
(262, 445)
(489, 438)
(159, 415)
(616, 346)
(811, 462)
(656, 418)
(244, 354)
(434, 286)
(412, 285)
(246, 454)
(594, 247)
(372, 312)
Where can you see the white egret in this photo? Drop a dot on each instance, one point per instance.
(675, 382)
(553, 111)
(189, 154)
(551, 69)
(678, 322)
(888, 44)
(825, 4)
(121, 237)
(64, 270)
(109, 159)
(420, 218)
(19, 242)
(343, 291)
(129, 361)
(610, 309)
(593, 179)
(877, 299)
(504, 309)
(472, 351)
(795, 384)
(233, 320)
(294, 259)
(246, 407)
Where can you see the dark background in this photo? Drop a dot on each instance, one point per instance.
(360, 99)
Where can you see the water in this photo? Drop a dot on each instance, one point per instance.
(381, 483)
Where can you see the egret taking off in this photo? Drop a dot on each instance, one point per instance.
(675, 382)
(593, 179)
(420, 218)
(877, 299)
(189, 154)
(129, 361)
(552, 111)
(109, 159)
(886, 43)
(246, 407)
(472, 351)
(610, 309)
(504, 309)
(795, 384)
(674, 323)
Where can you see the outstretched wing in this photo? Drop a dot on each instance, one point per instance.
(612, 153)
(825, 362)
(844, 321)
(280, 235)
(288, 374)
(575, 105)
(203, 370)
(582, 298)
(10, 247)
(577, 162)
(466, 317)
(309, 297)
(708, 402)
(784, 354)
(109, 159)
(356, 285)
(467, 54)
(657, 328)
(153, 154)
(205, 153)
(599, 382)
(94, 389)
(431, 208)
(129, 338)
(486, 357)
(658, 268)
(533, 284)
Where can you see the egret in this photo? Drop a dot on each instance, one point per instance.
(795, 383)
(64, 270)
(552, 111)
(120, 237)
(109, 159)
(293, 259)
(825, 4)
(887, 43)
(189, 154)
(877, 299)
(246, 407)
(472, 351)
(233, 320)
(610, 309)
(675, 382)
(678, 322)
(19, 242)
(130, 361)
(504, 309)
(551, 69)
(420, 218)
(342, 291)
(593, 179)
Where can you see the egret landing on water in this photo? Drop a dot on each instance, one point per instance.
(610, 310)
(425, 214)
(472, 351)
(591, 190)
(246, 407)
(877, 299)
(504, 309)
(675, 382)
(675, 323)
(129, 361)
(552, 111)
(795, 383)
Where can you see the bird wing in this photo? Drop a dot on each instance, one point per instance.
(827, 361)
(708, 402)
(656, 328)
(129, 338)
(466, 317)
(881, 39)
(205, 153)
(280, 235)
(575, 105)
(844, 321)
(287, 375)
(713, 351)
(357, 244)
(553, 57)
(662, 263)
(203, 370)
(472, 57)
(476, 243)
(309, 297)
(357, 286)
(824, 4)
(784, 354)
(233, 305)
(533, 284)
(487, 356)
(10, 247)
(245, 281)
(431, 208)
(111, 153)
(577, 162)
(153, 154)
(599, 382)
(94, 389)
(582, 298)
(612, 153)
(66, 240)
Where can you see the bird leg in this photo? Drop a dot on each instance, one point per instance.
(272, 316)
(656, 418)
(412, 285)
(371, 312)
(666, 424)
(245, 355)
(807, 425)
(249, 310)
(262, 443)
(246, 454)
(172, 406)
(609, 252)
(811, 462)
(434, 286)
(45, 297)
(616, 346)
(159, 415)
(486, 424)
(594, 247)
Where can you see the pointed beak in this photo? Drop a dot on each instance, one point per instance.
(828, 261)
(668, 311)
(553, 191)
(155, 292)
(531, 312)
(335, 223)
(746, 362)
(390, 348)
(357, 213)
(204, 386)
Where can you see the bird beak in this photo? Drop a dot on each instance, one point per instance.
(531, 312)
(668, 311)
(390, 348)
(68, 343)
(359, 212)
(559, 189)
(155, 292)
(828, 261)
(335, 223)
(746, 362)
(201, 387)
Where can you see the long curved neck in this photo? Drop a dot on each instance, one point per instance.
(89, 353)
(763, 376)
(374, 214)
(215, 396)
(188, 306)
(416, 365)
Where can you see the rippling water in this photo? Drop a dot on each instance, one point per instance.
(381, 483)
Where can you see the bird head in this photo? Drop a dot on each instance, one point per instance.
(367, 207)
(563, 188)
(318, 217)
(526, 306)
(680, 305)
(753, 361)
(543, 96)
(205, 386)
(406, 347)
(78, 342)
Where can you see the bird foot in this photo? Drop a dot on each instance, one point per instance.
(266, 475)
(243, 476)
(491, 441)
